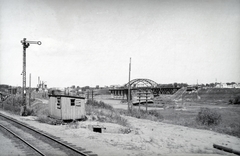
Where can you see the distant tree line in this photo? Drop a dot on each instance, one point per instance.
(174, 85)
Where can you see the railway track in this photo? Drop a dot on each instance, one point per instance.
(39, 143)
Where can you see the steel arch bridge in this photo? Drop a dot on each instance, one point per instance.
(138, 83)
(141, 85)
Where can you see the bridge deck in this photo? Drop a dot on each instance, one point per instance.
(155, 90)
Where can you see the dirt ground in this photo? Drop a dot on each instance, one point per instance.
(145, 137)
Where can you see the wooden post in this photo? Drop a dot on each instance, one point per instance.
(154, 101)
(139, 104)
(12, 99)
(92, 95)
(139, 100)
(30, 90)
(146, 102)
(129, 89)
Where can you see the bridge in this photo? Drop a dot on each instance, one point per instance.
(141, 85)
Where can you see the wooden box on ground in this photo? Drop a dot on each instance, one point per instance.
(66, 107)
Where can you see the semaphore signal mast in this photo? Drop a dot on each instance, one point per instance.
(25, 44)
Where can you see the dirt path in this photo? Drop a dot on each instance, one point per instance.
(180, 139)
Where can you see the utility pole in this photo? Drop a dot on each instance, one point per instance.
(25, 44)
(92, 94)
(29, 90)
(129, 86)
(147, 100)
(139, 99)
(38, 82)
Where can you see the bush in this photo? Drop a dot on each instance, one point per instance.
(235, 100)
(208, 117)
(45, 119)
(13, 104)
(103, 112)
(156, 114)
(99, 104)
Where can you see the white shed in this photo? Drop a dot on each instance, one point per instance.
(66, 107)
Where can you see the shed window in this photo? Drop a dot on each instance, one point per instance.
(78, 102)
(59, 103)
(72, 102)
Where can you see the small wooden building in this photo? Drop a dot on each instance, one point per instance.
(66, 107)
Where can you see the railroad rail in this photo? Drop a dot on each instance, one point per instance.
(40, 142)
(28, 144)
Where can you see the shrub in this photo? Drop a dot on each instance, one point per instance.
(208, 117)
(235, 100)
(103, 112)
(156, 114)
(29, 111)
(45, 119)
(99, 104)
(13, 104)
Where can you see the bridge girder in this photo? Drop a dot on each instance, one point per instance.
(144, 82)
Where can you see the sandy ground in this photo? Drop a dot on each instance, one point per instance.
(145, 138)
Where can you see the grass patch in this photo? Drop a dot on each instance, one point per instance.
(208, 117)
(102, 112)
(225, 120)
(141, 114)
(213, 95)
(235, 100)
(229, 119)
(100, 105)
(12, 104)
(73, 125)
(42, 112)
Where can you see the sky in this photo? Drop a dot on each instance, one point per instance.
(90, 42)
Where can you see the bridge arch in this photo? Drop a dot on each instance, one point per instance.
(139, 83)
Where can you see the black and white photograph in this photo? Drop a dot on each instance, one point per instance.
(120, 77)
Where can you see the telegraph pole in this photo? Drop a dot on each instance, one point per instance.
(92, 94)
(25, 44)
(129, 86)
(29, 90)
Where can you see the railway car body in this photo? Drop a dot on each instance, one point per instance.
(66, 107)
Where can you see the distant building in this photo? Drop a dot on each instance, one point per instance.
(237, 85)
(225, 85)
(115, 86)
